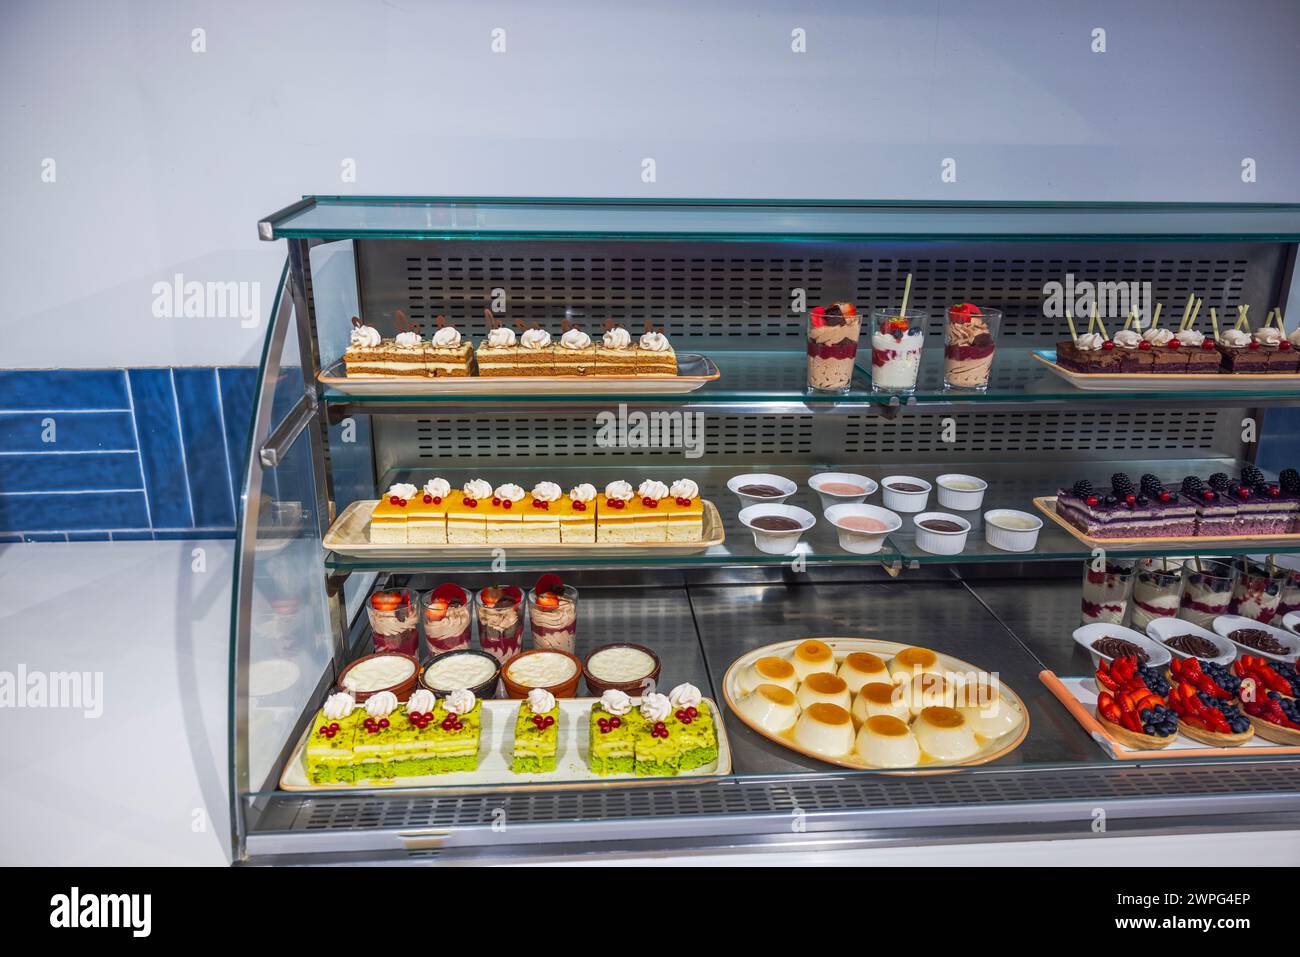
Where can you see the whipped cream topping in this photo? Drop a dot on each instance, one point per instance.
(656, 706)
(437, 487)
(1235, 337)
(617, 338)
(546, 492)
(339, 705)
(1158, 337)
(460, 701)
(422, 700)
(1127, 339)
(575, 339)
(684, 488)
(509, 492)
(1294, 338)
(535, 339)
(448, 337)
(407, 340)
(540, 701)
(1190, 337)
(1089, 341)
(619, 490)
(477, 488)
(1268, 336)
(501, 337)
(652, 489)
(366, 336)
(616, 702)
(582, 493)
(402, 490)
(381, 705)
(685, 695)
(655, 342)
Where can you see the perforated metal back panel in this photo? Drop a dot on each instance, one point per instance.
(745, 291)
(740, 295)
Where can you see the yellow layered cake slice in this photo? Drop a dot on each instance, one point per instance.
(684, 512)
(576, 353)
(577, 514)
(649, 517)
(446, 354)
(616, 352)
(388, 519)
(505, 515)
(467, 510)
(655, 355)
(498, 354)
(542, 515)
(614, 516)
(536, 353)
(426, 521)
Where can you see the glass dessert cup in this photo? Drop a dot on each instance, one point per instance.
(553, 618)
(1157, 591)
(969, 340)
(833, 333)
(1290, 600)
(1206, 591)
(1106, 593)
(896, 350)
(499, 609)
(1257, 592)
(446, 619)
(394, 622)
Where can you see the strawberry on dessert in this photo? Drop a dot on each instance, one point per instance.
(896, 350)
(446, 617)
(1130, 709)
(393, 622)
(968, 346)
(553, 613)
(833, 333)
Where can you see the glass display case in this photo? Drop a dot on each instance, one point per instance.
(732, 280)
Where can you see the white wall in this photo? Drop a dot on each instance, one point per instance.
(166, 158)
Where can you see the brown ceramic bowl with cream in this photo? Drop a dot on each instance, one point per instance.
(556, 671)
(621, 666)
(382, 671)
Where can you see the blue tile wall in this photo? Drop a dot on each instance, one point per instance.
(122, 454)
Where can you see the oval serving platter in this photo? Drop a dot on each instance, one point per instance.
(990, 750)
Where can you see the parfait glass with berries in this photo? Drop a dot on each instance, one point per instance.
(833, 333)
(393, 621)
(896, 349)
(553, 614)
(970, 337)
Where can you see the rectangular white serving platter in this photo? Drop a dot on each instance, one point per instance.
(1164, 382)
(350, 535)
(693, 372)
(494, 755)
(1085, 691)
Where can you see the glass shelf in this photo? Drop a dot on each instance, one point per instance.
(378, 217)
(1011, 485)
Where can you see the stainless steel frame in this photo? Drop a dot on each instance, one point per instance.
(1033, 795)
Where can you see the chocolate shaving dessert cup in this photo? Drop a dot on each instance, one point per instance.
(1106, 593)
(905, 493)
(862, 528)
(556, 671)
(776, 528)
(446, 618)
(467, 668)
(621, 666)
(833, 333)
(969, 341)
(553, 614)
(761, 488)
(382, 671)
(500, 610)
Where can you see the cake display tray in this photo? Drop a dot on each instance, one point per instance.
(350, 535)
(693, 372)
(571, 764)
(990, 750)
(1165, 382)
(1079, 695)
(1047, 505)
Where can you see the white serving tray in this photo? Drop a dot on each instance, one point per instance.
(990, 750)
(350, 535)
(1166, 382)
(494, 755)
(693, 372)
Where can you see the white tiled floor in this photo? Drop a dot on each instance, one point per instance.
(144, 783)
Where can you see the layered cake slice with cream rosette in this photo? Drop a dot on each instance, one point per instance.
(366, 353)
(684, 512)
(498, 353)
(577, 514)
(616, 352)
(612, 734)
(330, 758)
(447, 354)
(697, 735)
(1091, 352)
(654, 354)
(541, 517)
(1135, 354)
(505, 514)
(576, 353)
(536, 352)
(390, 516)
(649, 520)
(537, 733)
(614, 516)
(1282, 356)
(427, 514)
(658, 746)
(467, 511)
